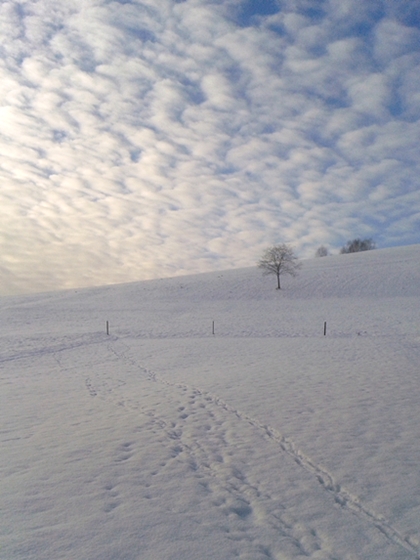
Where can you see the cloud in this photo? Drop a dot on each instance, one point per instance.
(152, 138)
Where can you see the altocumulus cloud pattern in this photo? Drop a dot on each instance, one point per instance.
(151, 138)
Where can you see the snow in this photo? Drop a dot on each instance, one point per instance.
(264, 440)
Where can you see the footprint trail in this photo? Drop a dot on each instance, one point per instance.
(248, 470)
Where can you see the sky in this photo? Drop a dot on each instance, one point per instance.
(155, 138)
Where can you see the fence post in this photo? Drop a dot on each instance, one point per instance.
(107, 327)
(212, 331)
(325, 328)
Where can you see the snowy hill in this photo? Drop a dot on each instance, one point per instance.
(266, 439)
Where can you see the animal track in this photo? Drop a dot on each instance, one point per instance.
(124, 452)
(110, 498)
(90, 388)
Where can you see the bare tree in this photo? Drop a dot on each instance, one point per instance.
(322, 252)
(357, 245)
(278, 260)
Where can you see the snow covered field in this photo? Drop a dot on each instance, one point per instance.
(163, 441)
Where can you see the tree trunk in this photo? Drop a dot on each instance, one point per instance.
(278, 281)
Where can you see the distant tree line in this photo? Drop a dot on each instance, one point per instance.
(358, 245)
(353, 246)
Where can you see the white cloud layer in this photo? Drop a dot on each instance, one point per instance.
(153, 138)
